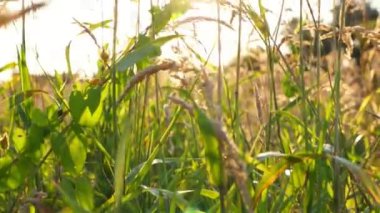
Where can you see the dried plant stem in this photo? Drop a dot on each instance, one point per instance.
(141, 75)
(195, 19)
(6, 17)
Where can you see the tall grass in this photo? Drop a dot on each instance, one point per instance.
(275, 139)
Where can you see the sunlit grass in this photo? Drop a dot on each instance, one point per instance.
(274, 132)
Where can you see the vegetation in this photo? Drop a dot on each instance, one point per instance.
(272, 133)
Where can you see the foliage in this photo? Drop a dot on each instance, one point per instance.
(172, 153)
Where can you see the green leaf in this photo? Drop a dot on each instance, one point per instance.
(145, 49)
(34, 140)
(19, 139)
(162, 40)
(172, 10)
(62, 151)
(5, 162)
(179, 7)
(18, 172)
(20, 97)
(67, 189)
(93, 98)
(86, 108)
(57, 140)
(94, 26)
(72, 155)
(39, 118)
(77, 105)
(84, 193)
(78, 154)
(289, 86)
(161, 17)
(91, 119)
(209, 193)
(142, 52)
(212, 155)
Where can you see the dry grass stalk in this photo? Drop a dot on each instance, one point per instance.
(191, 20)
(6, 16)
(141, 75)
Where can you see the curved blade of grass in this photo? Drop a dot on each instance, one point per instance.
(24, 71)
(362, 176)
(173, 196)
(270, 177)
(209, 193)
(68, 61)
(94, 26)
(131, 175)
(8, 66)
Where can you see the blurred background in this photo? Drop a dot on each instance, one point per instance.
(52, 28)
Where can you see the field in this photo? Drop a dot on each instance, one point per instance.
(270, 132)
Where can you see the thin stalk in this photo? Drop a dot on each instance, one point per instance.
(220, 77)
(113, 77)
(318, 41)
(302, 74)
(236, 119)
(139, 119)
(276, 31)
(121, 152)
(219, 108)
(318, 185)
(276, 107)
(156, 82)
(273, 104)
(23, 48)
(138, 17)
(24, 72)
(338, 189)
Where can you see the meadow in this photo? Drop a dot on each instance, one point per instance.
(270, 132)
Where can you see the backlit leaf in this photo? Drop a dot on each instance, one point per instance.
(77, 105)
(93, 98)
(212, 155)
(78, 154)
(19, 139)
(8, 66)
